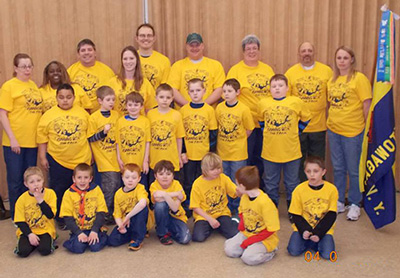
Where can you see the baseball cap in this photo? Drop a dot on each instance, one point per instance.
(194, 37)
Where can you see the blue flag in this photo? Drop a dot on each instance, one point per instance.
(379, 144)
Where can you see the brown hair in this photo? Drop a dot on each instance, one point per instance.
(164, 165)
(145, 25)
(164, 87)
(352, 71)
(18, 57)
(33, 171)
(131, 167)
(210, 162)
(194, 81)
(278, 77)
(233, 83)
(83, 167)
(249, 177)
(137, 76)
(84, 42)
(134, 97)
(315, 160)
(64, 74)
(104, 91)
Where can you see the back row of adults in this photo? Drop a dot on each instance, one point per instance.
(346, 90)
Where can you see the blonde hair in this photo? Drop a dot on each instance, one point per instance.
(33, 171)
(352, 71)
(210, 162)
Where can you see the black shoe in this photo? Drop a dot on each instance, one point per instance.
(4, 214)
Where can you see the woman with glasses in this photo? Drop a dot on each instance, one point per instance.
(20, 111)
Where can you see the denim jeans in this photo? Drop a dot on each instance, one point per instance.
(297, 245)
(136, 230)
(77, 247)
(312, 143)
(345, 156)
(16, 164)
(230, 168)
(166, 223)
(110, 183)
(254, 148)
(272, 178)
(202, 229)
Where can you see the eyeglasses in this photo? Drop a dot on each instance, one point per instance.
(143, 36)
(25, 67)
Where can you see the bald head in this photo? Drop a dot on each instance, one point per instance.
(306, 54)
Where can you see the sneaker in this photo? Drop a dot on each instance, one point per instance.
(134, 245)
(354, 213)
(340, 207)
(166, 239)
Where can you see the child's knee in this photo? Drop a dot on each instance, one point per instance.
(232, 249)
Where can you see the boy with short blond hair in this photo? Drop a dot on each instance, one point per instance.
(133, 136)
(209, 200)
(130, 210)
(101, 135)
(83, 208)
(167, 195)
(257, 239)
(34, 216)
(314, 211)
(282, 119)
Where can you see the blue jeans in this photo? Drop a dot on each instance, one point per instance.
(345, 156)
(312, 143)
(254, 148)
(230, 168)
(272, 178)
(136, 230)
(74, 246)
(202, 229)
(166, 223)
(297, 245)
(16, 164)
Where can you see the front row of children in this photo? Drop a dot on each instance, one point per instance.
(255, 239)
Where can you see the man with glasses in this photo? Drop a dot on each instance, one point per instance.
(155, 65)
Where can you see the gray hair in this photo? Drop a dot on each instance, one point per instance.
(251, 39)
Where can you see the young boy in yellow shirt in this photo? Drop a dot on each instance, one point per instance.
(133, 137)
(257, 239)
(282, 119)
(101, 135)
(83, 208)
(167, 195)
(209, 200)
(314, 210)
(200, 133)
(34, 216)
(167, 132)
(130, 210)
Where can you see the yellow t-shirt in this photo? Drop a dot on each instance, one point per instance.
(209, 70)
(132, 137)
(23, 102)
(314, 204)
(104, 150)
(174, 187)
(94, 203)
(346, 114)
(124, 202)
(281, 132)
(49, 97)
(65, 132)
(165, 129)
(146, 90)
(254, 84)
(156, 68)
(311, 87)
(28, 210)
(258, 215)
(232, 125)
(197, 123)
(210, 196)
(90, 79)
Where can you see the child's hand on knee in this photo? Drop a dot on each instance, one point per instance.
(33, 239)
(314, 238)
(93, 238)
(306, 235)
(82, 237)
(214, 223)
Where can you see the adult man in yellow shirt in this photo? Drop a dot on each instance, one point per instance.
(196, 65)
(308, 80)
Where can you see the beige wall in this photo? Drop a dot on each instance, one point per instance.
(50, 29)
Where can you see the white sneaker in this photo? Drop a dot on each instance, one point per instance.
(354, 213)
(340, 207)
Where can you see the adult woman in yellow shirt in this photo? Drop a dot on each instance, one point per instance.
(349, 96)
(20, 111)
